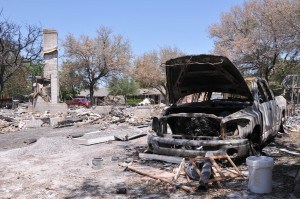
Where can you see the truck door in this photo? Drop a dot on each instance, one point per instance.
(266, 110)
(275, 116)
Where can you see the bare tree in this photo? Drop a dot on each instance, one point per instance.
(260, 35)
(149, 69)
(17, 48)
(98, 58)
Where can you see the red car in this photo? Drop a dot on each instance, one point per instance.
(79, 102)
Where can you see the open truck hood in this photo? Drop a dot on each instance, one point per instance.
(203, 73)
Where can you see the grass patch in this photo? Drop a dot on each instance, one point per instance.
(133, 101)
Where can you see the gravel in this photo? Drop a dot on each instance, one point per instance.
(45, 146)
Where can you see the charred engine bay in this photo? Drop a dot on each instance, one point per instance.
(195, 126)
(202, 125)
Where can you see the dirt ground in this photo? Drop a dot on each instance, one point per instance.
(56, 167)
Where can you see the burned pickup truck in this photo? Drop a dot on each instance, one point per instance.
(215, 109)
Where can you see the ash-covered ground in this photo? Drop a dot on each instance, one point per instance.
(56, 167)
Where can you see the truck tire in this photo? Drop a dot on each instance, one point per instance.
(255, 143)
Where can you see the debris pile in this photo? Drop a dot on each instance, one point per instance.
(197, 175)
(293, 122)
(21, 118)
(7, 124)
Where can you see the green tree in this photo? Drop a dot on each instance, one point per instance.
(20, 83)
(123, 86)
(284, 69)
(71, 81)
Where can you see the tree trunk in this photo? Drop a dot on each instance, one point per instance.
(1, 86)
(92, 93)
(164, 93)
(267, 73)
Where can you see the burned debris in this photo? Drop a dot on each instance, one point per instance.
(194, 176)
(202, 126)
(24, 117)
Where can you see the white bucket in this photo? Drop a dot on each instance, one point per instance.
(260, 174)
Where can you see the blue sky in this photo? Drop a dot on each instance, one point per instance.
(148, 24)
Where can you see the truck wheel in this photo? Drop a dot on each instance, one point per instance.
(281, 128)
(255, 143)
(253, 149)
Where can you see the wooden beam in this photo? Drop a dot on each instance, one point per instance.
(234, 166)
(196, 168)
(186, 188)
(212, 160)
(181, 166)
(213, 157)
(137, 136)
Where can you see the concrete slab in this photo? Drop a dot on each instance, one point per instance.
(88, 142)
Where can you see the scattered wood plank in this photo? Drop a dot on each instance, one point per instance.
(88, 142)
(142, 126)
(75, 135)
(137, 136)
(216, 175)
(164, 158)
(126, 138)
(181, 166)
(214, 157)
(146, 173)
(234, 166)
(196, 168)
(30, 140)
(220, 175)
(68, 122)
(212, 160)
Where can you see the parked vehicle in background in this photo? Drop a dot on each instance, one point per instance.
(215, 109)
(79, 102)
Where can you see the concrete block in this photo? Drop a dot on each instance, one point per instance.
(34, 123)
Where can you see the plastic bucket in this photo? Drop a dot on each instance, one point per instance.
(260, 174)
(96, 162)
